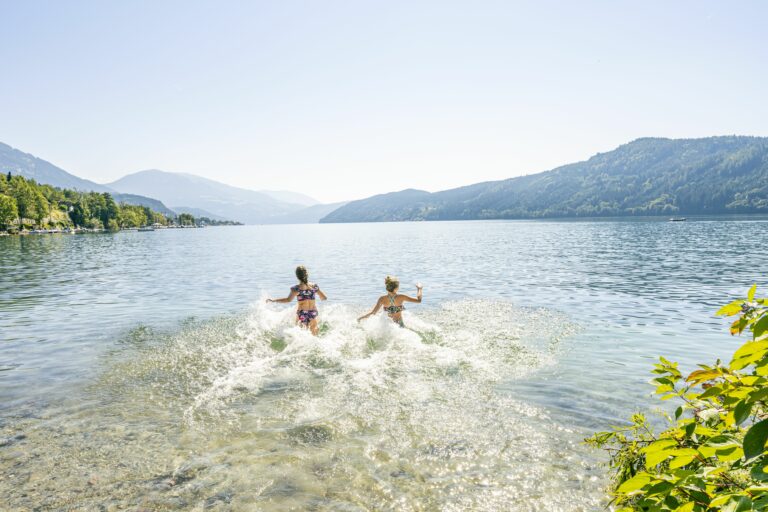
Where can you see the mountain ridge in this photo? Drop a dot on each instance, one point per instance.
(42, 171)
(197, 192)
(647, 176)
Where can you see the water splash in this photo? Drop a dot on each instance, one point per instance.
(252, 412)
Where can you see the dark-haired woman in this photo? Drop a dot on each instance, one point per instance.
(305, 292)
(393, 302)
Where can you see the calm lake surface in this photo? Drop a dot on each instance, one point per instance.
(143, 370)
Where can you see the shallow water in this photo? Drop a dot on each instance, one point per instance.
(144, 369)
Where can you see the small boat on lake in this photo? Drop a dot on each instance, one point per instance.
(677, 219)
(146, 228)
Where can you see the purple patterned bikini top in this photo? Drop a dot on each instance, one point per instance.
(308, 294)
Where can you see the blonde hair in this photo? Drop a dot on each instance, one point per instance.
(392, 283)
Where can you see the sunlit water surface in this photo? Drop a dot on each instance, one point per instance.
(143, 370)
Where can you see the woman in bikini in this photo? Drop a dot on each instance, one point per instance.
(393, 302)
(305, 292)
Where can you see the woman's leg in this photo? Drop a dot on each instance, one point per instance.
(313, 326)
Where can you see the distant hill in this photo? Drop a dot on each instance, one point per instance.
(192, 191)
(290, 197)
(201, 197)
(152, 204)
(308, 215)
(197, 212)
(31, 167)
(650, 176)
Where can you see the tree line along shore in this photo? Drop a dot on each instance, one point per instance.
(29, 207)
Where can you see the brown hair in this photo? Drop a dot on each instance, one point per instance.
(392, 283)
(302, 274)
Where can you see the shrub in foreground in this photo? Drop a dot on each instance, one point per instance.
(712, 454)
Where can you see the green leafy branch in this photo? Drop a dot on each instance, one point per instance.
(712, 455)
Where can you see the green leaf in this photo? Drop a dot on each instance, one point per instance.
(659, 488)
(759, 473)
(660, 445)
(738, 326)
(751, 293)
(678, 413)
(729, 454)
(760, 327)
(635, 483)
(737, 504)
(721, 500)
(755, 438)
(734, 308)
(683, 458)
(720, 446)
(658, 451)
(742, 411)
(655, 458)
(686, 507)
(749, 353)
(711, 391)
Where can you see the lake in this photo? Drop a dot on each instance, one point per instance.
(144, 370)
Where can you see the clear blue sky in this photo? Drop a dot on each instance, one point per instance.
(344, 99)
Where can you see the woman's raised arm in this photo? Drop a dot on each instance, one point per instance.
(419, 288)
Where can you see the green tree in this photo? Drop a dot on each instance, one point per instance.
(24, 193)
(110, 212)
(33, 201)
(80, 213)
(712, 455)
(42, 207)
(8, 210)
(186, 219)
(159, 218)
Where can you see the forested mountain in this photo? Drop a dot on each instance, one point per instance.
(29, 166)
(650, 176)
(45, 173)
(27, 204)
(152, 204)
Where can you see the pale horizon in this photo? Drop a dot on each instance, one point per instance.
(344, 101)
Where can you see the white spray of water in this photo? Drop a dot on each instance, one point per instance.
(366, 416)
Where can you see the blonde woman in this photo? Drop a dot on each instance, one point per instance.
(305, 292)
(393, 302)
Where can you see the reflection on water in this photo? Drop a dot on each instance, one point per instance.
(140, 370)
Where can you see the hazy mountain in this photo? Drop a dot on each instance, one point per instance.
(202, 197)
(308, 215)
(197, 212)
(150, 203)
(31, 167)
(650, 176)
(192, 191)
(291, 197)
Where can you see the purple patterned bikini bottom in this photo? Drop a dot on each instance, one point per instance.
(306, 315)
